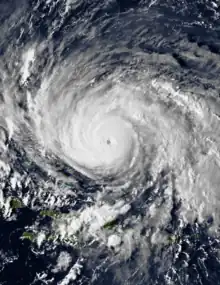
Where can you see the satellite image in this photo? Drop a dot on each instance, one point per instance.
(110, 142)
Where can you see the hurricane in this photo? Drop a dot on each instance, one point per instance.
(110, 142)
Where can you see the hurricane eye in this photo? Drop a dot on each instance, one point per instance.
(110, 142)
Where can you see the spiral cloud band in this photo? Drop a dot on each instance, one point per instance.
(110, 128)
(98, 133)
(117, 128)
(110, 141)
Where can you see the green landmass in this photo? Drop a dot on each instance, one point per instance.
(51, 237)
(16, 203)
(110, 224)
(49, 213)
(173, 239)
(28, 235)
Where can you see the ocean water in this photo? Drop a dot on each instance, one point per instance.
(109, 142)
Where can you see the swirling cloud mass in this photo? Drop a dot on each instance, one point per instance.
(124, 127)
(135, 120)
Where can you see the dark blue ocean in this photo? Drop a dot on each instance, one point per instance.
(172, 40)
